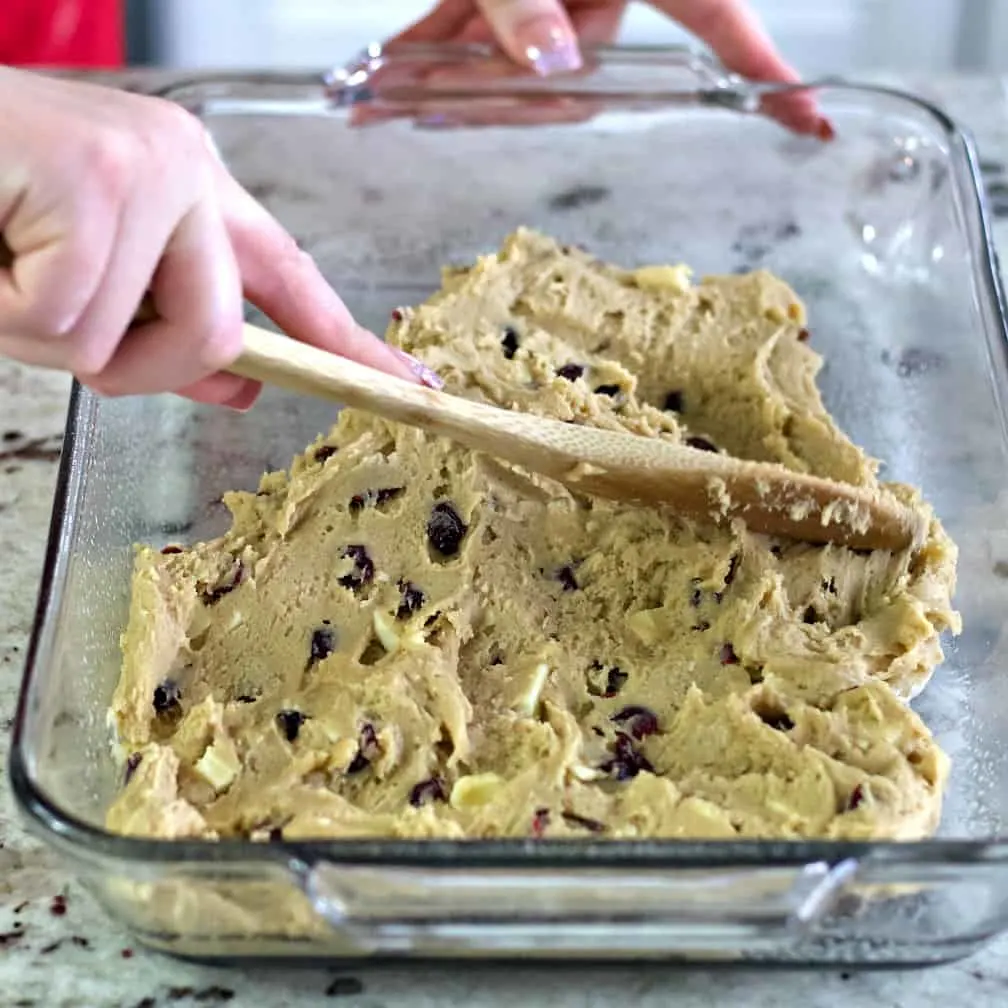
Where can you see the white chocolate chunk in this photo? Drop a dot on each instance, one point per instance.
(476, 789)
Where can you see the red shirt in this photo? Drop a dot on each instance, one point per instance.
(62, 33)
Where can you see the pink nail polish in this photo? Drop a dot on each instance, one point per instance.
(550, 47)
(427, 377)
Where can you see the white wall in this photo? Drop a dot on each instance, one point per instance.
(819, 36)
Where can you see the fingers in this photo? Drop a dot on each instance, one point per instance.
(197, 293)
(36, 300)
(735, 34)
(105, 195)
(223, 390)
(535, 33)
(731, 29)
(286, 285)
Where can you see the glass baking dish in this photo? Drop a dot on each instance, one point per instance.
(650, 156)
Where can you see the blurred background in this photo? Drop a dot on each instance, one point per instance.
(818, 36)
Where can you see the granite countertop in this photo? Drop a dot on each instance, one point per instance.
(58, 948)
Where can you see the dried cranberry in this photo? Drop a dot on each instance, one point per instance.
(168, 550)
(167, 697)
(58, 906)
(432, 789)
(368, 739)
(367, 749)
(131, 765)
(411, 600)
(570, 371)
(235, 578)
(803, 335)
(509, 344)
(608, 390)
(565, 575)
(363, 573)
(615, 681)
(701, 443)
(627, 762)
(323, 642)
(732, 569)
(324, 452)
(810, 615)
(696, 595)
(728, 656)
(290, 722)
(397, 315)
(445, 529)
(856, 799)
(540, 821)
(639, 721)
(378, 497)
(673, 402)
(592, 825)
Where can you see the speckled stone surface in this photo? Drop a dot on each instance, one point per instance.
(58, 948)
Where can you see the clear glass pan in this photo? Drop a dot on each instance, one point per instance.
(650, 156)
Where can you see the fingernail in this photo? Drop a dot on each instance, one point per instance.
(427, 377)
(825, 130)
(549, 46)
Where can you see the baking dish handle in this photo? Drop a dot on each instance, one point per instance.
(382, 909)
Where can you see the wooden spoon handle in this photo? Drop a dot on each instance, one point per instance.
(703, 485)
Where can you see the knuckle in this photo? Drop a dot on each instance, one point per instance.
(175, 126)
(111, 160)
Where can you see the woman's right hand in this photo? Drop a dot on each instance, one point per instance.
(106, 195)
(546, 36)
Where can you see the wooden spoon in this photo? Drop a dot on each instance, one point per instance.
(704, 485)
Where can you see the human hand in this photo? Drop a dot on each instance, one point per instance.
(545, 36)
(106, 195)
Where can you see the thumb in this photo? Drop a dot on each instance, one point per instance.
(536, 33)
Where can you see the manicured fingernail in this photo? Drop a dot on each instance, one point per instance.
(424, 373)
(549, 46)
(825, 130)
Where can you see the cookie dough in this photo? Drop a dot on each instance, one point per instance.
(400, 637)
